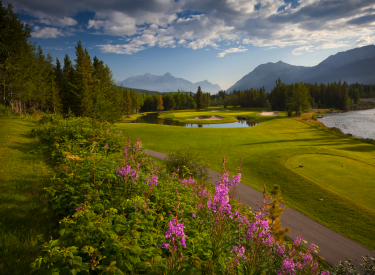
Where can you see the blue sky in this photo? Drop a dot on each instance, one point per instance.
(217, 40)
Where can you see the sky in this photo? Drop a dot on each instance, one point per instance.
(217, 40)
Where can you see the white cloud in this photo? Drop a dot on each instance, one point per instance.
(121, 49)
(312, 25)
(120, 24)
(46, 32)
(232, 50)
(59, 22)
(364, 41)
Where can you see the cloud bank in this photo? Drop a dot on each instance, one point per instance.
(307, 25)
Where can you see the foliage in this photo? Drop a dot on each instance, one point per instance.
(30, 81)
(187, 163)
(5, 111)
(128, 103)
(160, 106)
(275, 211)
(178, 101)
(333, 95)
(122, 214)
(299, 100)
(347, 268)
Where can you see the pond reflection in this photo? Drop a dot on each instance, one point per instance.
(158, 120)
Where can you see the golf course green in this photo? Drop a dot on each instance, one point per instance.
(341, 198)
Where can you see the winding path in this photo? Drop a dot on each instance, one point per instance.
(333, 246)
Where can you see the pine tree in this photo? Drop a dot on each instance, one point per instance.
(84, 81)
(69, 93)
(17, 59)
(199, 98)
(160, 106)
(128, 103)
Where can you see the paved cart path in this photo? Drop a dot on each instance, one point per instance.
(333, 246)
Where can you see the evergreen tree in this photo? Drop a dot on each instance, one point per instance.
(84, 81)
(160, 106)
(16, 60)
(199, 98)
(128, 103)
(69, 93)
(299, 101)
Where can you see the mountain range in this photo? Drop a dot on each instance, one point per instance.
(167, 83)
(356, 65)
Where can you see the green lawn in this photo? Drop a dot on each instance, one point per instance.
(24, 220)
(270, 152)
(347, 177)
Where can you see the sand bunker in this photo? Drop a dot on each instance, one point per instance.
(206, 118)
(215, 110)
(264, 113)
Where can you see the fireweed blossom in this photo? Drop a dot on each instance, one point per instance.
(220, 203)
(175, 233)
(239, 252)
(152, 181)
(187, 182)
(127, 172)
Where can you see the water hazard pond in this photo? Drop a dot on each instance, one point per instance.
(162, 121)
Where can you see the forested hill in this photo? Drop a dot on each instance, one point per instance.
(352, 66)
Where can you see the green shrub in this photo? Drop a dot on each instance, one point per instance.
(188, 164)
(5, 111)
(314, 117)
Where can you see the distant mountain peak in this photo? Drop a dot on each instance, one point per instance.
(167, 83)
(351, 66)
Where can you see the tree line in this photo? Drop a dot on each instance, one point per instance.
(250, 98)
(179, 100)
(30, 82)
(333, 95)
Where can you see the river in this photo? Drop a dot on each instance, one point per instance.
(358, 123)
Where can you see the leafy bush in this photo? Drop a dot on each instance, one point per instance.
(188, 164)
(347, 268)
(5, 111)
(122, 214)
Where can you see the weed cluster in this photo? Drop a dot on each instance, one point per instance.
(122, 214)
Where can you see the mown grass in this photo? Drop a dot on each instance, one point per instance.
(24, 217)
(265, 151)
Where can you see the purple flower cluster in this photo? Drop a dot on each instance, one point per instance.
(225, 180)
(127, 172)
(152, 181)
(240, 252)
(175, 232)
(280, 250)
(220, 202)
(187, 182)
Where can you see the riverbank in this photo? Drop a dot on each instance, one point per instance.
(360, 124)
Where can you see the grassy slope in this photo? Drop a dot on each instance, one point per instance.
(23, 215)
(265, 150)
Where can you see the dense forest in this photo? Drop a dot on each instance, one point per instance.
(251, 98)
(30, 81)
(284, 96)
(333, 95)
(177, 100)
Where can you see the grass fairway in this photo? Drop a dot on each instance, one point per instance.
(349, 178)
(265, 150)
(23, 215)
